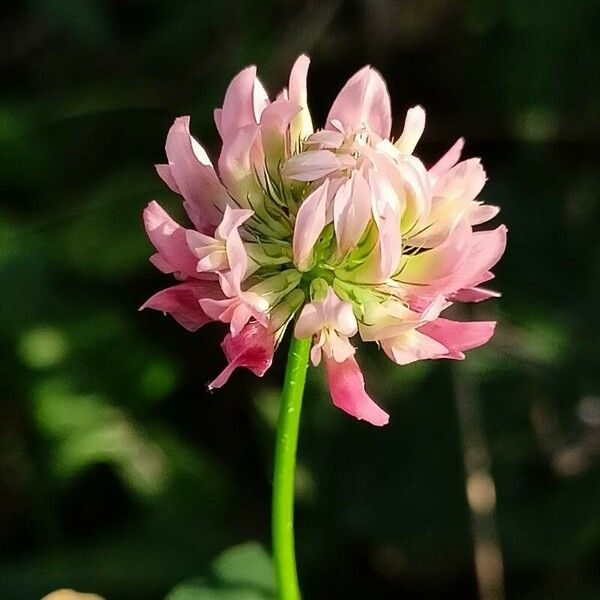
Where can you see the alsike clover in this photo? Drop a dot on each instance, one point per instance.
(342, 229)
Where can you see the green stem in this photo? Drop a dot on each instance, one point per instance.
(285, 470)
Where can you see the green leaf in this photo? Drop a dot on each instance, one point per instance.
(246, 564)
(243, 572)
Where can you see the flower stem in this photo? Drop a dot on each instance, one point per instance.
(285, 470)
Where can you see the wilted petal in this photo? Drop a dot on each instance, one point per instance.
(252, 349)
(414, 125)
(310, 220)
(169, 238)
(363, 102)
(182, 302)
(347, 389)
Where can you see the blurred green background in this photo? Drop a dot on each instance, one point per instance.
(120, 474)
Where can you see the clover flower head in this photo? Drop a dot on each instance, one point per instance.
(342, 228)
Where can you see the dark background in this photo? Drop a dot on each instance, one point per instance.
(120, 474)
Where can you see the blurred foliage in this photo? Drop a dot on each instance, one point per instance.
(244, 572)
(120, 474)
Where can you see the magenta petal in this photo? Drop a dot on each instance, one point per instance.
(182, 302)
(347, 389)
(252, 348)
(458, 336)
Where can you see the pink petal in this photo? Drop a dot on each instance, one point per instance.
(274, 124)
(164, 171)
(414, 125)
(252, 349)
(161, 264)
(339, 348)
(411, 346)
(347, 389)
(219, 309)
(232, 219)
(474, 294)
(332, 312)
(238, 261)
(447, 161)
(339, 314)
(312, 165)
(182, 302)
(297, 84)
(485, 252)
(483, 213)
(169, 238)
(194, 177)
(458, 336)
(462, 261)
(440, 264)
(218, 117)
(240, 156)
(363, 102)
(351, 211)
(301, 125)
(241, 103)
(463, 182)
(326, 138)
(260, 99)
(310, 220)
(310, 321)
(384, 260)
